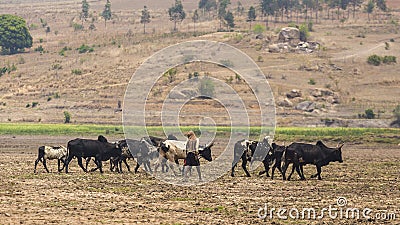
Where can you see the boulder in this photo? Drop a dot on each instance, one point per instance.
(293, 94)
(284, 102)
(321, 92)
(274, 48)
(306, 106)
(290, 35)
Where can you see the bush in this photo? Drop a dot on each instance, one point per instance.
(388, 59)
(258, 29)
(67, 117)
(77, 26)
(374, 60)
(304, 32)
(34, 104)
(76, 71)
(85, 48)
(206, 87)
(369, 114)
(312, 82)
(396, 113)
(39, 49)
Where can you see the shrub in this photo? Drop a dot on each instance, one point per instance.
(3, 70)
(206, 87)
(67, 117)
(258, 29)
(33, 26)
(34, 104)
(76, 71)
(387, 46)
(77, 26)
(85, 48)
(312, 82)
(396, 113)
(56, 66)
(369, 114)
(310, 26)
(171, 74)
(388, 59)
(39, 49)
(374, 60)
(304, 32)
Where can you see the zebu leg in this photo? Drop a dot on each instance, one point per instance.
(80, 163)
(45, 166)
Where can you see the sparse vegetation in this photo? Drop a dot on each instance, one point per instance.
(312, 82)
(39, 49)
(76, 71)
(376, 60)
(368, 114)
(206, 87)
(67, 117)
(77, 26)
(84, 49)
(258, 29)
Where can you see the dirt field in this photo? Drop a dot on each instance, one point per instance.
(369, 177)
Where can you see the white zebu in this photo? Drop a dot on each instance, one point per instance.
(50, 153)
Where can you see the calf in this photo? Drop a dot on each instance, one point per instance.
(169, 150)
(49, 153)
(320, 155)
(134, 149)
(274, 156)
(246, 149)
(100, 150)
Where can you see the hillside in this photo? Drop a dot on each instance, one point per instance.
(90, 85)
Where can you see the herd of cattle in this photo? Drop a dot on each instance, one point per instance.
(167, 152)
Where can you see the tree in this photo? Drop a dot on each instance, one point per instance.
(85, 11)
(251, 15)
(370, 7)
(381, 4)
(239, 8)
(14, 34)
(396, 113)
(176, 13)
(230, 20)
(267, 9)
(195, 18)
(106, 14)
(355, 3)
(206, 87)
(223, 4)
(145, 18)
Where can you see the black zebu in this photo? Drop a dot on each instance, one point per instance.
(133, 149)
(274, 156)
(100, 149)
(320, 155)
